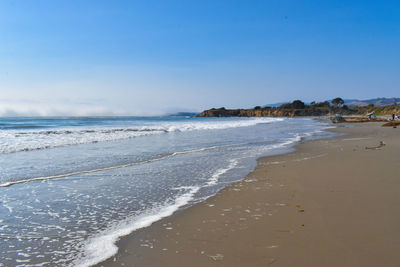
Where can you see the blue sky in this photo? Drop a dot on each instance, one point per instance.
(151, 57)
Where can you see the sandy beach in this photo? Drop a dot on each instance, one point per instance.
(331, 202)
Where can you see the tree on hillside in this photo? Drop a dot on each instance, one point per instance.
(298, 104)
(338, 102)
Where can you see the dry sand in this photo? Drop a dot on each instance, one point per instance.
(332, 202)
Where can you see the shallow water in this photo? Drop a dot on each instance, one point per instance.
(71, 187)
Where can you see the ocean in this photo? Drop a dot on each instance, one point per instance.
(71, 187)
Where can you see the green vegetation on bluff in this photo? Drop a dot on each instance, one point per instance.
(298, 108)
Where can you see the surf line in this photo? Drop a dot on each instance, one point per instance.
(52, 177)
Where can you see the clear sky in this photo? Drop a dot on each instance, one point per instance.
(149, 57)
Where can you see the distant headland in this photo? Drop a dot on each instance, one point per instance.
(297, 108)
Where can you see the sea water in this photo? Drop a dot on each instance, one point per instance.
(71, 187)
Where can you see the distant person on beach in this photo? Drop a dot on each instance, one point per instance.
(393, 117)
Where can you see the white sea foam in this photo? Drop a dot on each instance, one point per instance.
(64, 175)
(215, 177)
(102, 246)
(24, 140)
(213, 180)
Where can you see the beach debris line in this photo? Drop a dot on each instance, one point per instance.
(355, 119)
(381, 144)
(218, 257)
(299, 208)
(393, 124)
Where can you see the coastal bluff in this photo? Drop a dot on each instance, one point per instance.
(298, 109)
(265, 112)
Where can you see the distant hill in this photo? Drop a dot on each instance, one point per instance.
(276, 104)
(382, 101)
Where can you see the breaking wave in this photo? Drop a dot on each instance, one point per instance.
(24, 140)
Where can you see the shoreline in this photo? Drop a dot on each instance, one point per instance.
(208, 233)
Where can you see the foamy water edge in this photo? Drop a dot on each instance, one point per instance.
(103, 246)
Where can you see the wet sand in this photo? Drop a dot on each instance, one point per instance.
(332, 202)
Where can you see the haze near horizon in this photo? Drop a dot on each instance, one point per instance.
(85, 58)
